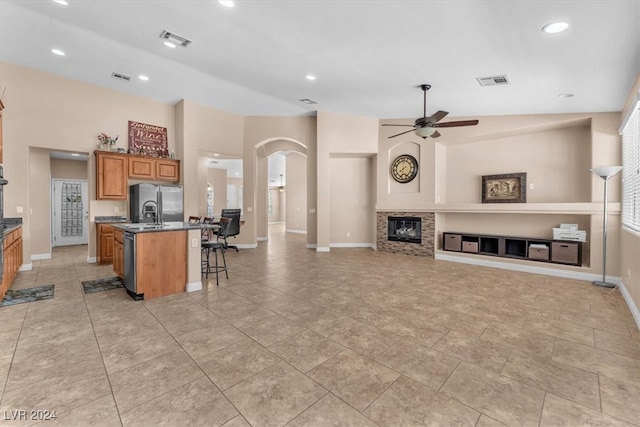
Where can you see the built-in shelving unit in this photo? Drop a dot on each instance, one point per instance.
(525, 248)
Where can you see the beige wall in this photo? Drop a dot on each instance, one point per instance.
(296, 194)
(352, 201)
(556, 162)
(278, 204)
(344, 136)
(69, 169)
(39, 207)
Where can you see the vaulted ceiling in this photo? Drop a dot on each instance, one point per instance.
(368, 57)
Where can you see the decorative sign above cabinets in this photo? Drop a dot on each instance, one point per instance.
(148, 140)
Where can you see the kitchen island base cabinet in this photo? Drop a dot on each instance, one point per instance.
(118, 252)
(160, 263)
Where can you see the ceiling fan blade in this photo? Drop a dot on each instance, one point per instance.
(439, 115)
(401, 133)
(455, 124)
(436, 134)
(389, 124)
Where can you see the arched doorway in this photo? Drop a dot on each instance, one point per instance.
(292, 201)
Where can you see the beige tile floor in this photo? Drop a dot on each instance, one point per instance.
(351, 338)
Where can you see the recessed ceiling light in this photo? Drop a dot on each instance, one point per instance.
(216, 155)
(565, 95)
(310, 77)
(57, 52)
(75, 154)
(226, 3)
(555, 27)
(145, 78)
(237, 173)
(169, 44)
(62, 2)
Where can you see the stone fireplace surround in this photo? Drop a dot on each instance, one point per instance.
(426, 248)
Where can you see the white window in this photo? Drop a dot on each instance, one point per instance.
(631, 170)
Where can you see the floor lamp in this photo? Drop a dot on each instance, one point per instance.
(605, 172)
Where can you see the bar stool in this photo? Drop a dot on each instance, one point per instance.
(216, 246)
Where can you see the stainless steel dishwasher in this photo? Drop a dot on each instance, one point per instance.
(130, 265)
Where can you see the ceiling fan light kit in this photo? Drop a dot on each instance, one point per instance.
(425, 127)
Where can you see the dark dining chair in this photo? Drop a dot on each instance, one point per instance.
(195, 219)
(216, 246)
(234, 228)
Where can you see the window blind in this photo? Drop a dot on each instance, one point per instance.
(631, 170)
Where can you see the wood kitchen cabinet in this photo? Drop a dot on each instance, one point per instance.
(105, 243)
(161, 263)
(168, 170)
(156, 169)
(111, 175)
(12, 259)
(118, 252)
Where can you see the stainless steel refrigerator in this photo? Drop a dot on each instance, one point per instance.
(155, 203)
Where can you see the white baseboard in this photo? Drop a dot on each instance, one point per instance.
(311, 246)
(35, 257)
(351, 245)
(323, 249)
(194, 286)
(245, 245)
(276, 222)
(263, 239)
(632, 306)
(568, 274)
(296, 231)
(92, 259)
(26, 267)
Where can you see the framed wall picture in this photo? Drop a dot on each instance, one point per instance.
(148, 140)
(505, 188)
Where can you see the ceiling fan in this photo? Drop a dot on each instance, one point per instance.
(427, 126)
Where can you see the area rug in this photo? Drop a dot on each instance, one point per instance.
(100, 285)
(20, 296)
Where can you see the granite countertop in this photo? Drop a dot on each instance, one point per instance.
(10, 224)
(109, 219)
(168, 226)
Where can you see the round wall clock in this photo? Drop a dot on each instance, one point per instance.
(404, 168)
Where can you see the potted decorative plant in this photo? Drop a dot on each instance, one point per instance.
(107, 142)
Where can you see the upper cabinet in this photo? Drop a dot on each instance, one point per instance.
(111, 176)
(168, 170)
(158, 169)
(1, 108)
(141, 168)
(114, 169)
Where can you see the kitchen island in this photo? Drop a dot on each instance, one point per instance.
(152, 259)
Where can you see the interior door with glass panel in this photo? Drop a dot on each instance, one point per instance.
(70, 216)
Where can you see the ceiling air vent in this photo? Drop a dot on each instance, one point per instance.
(493, 80)
(120, 77)
(307, 101)
(175, 39)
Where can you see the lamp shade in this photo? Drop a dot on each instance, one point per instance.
(425, 131)
(606, 172)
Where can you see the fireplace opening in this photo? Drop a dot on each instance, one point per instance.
(404, 229)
